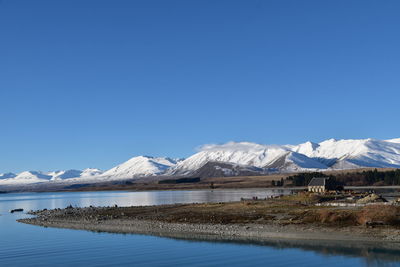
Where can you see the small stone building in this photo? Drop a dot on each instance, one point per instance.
(320, 185)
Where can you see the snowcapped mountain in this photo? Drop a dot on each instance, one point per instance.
(29, 177)
(221, 169)
(293, 161)
(232, 159)
(265, 157)
(305, 148)
(62, 175)
(355, 153)
(7, 175)
(140, 166)
(396, 140)
(91, 172)
(309, 156)
(243, 153)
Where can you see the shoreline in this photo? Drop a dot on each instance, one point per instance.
(234, 221)
(245, 232)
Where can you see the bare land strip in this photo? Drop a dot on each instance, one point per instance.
(293, 217)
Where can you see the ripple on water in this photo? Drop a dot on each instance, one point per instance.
(27, 245)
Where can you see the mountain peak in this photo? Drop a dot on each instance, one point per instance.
(91, 172)
(395, 140)
(140, 166)
(306, 148)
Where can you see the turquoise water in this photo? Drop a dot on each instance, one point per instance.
(27, 245)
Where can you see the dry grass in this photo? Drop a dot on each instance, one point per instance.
(303, 198)
(283, 211)
(337, 217)
(369, 215)
(382, 214)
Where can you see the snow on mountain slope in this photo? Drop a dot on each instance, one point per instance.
(333, 148)
(243, 153)
(220, 169)
(27, 177)
(305, 148)
(90, 172)
(396, 140)
(32, 175)
(344, 164)
(335, 154)
(293, 161)
(62, 175)
(140, 166)
(7, 175)
(359, 153)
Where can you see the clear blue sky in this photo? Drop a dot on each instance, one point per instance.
(93, 83)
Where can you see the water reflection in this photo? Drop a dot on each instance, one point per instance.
(372, 253)
(33, 201)
(25, 244)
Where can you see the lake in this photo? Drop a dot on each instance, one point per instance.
(27, 245)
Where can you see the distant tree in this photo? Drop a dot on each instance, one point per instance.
(374, 177)
(303, 179)
(212, 185)
(280, 182)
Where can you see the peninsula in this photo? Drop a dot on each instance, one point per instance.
(303, 216)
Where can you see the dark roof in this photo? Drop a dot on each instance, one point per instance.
(318, 182)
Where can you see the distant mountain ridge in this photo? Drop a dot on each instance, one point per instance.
(28, 177)
(237, 158)
(309, 156)
(141, 166)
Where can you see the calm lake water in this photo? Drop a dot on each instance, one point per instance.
(27, 245)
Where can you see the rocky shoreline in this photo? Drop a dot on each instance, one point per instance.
(154, 220)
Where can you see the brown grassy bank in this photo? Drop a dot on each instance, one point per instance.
(287, 217)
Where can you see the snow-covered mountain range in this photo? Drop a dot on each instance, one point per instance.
(28, 177)
(237, 158)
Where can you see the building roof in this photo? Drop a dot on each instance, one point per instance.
(320, 181)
